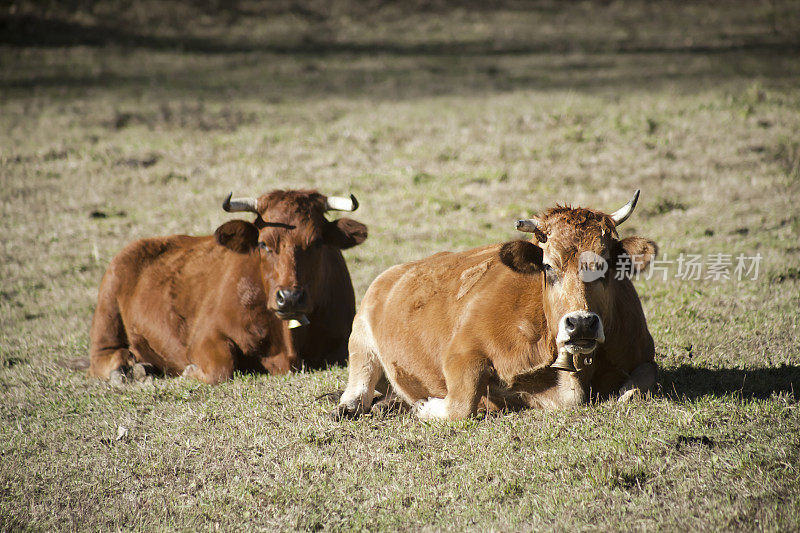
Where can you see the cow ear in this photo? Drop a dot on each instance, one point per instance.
(522, 256)
(345, 233)
(636, 253)
(237, 235)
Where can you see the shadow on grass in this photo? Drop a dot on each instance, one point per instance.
(689, 382)
(599, 47)
(33, 31)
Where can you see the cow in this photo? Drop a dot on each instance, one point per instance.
(545, 323)
(272, 295)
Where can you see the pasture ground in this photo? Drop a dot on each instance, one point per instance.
(120, 121)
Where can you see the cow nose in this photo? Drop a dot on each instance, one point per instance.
(582, 325)
(289, 299)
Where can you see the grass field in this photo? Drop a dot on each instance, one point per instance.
(125, 121)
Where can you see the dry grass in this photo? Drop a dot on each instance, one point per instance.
(448, 124)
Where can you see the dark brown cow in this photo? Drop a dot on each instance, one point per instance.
(206, 306)
(523, 324)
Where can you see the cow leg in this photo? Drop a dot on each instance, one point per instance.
(465, 377)
(105, 362)
(641, 380)
(212, 360)
(108, 352)
(364, 371)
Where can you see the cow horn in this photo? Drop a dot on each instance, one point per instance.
(340, 203)
(528, 225)
(240, 204)
(621, 215)
(531, 225)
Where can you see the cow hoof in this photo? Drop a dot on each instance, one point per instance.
(387, 406)
(431, 409)
(139, 372)
(338, 414)
(117, 378)
(191, 371)
(627, 396)
(344, 411)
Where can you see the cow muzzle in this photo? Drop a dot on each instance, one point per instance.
(290, 303)
(579, 334)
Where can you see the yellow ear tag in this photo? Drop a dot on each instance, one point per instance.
(296, 323)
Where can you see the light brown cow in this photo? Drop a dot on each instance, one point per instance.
(522, 324)
(207, 306)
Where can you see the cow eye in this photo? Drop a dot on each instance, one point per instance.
(551, 275)
(263, 246)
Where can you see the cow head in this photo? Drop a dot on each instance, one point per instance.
(577, 252)
(292, 239)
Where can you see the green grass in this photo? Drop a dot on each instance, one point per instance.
(448, 125)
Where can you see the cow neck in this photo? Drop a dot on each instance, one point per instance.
(547, 343)
(295, 338)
